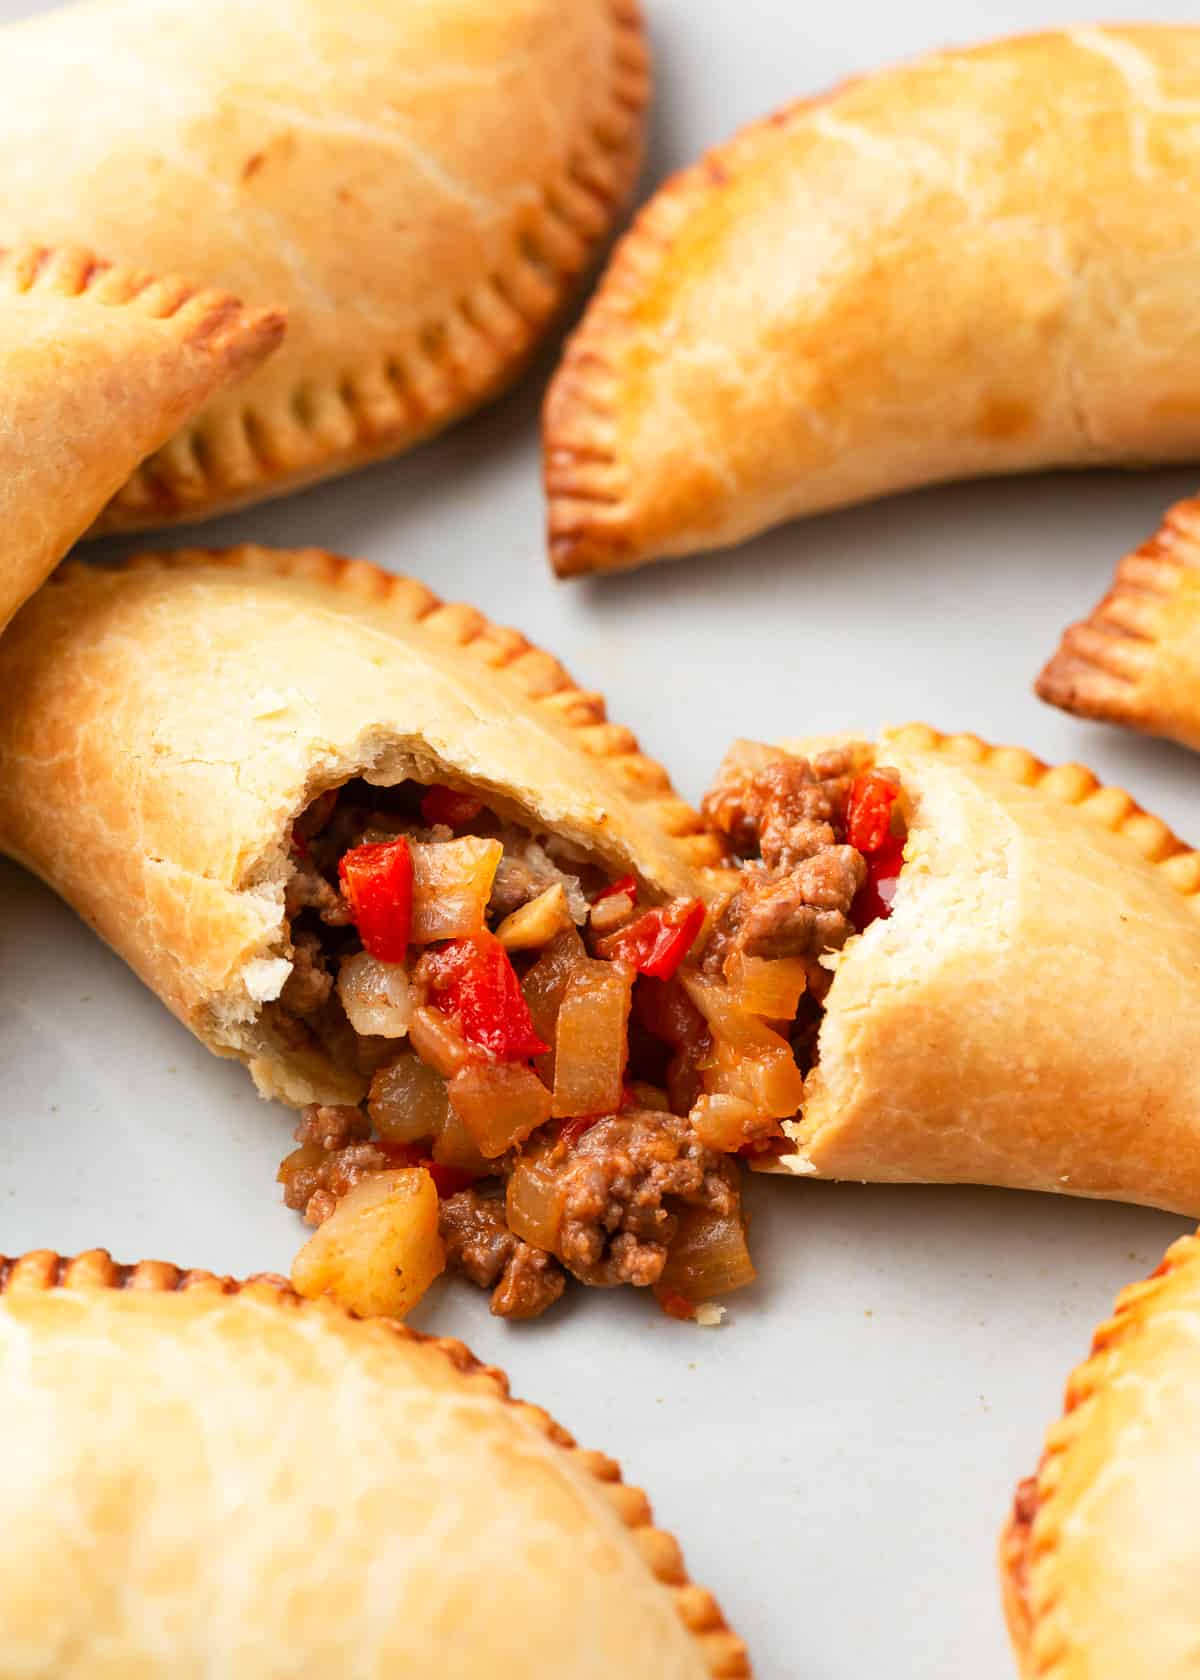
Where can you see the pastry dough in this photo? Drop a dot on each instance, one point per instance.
(1136, 660)
(1028, 1014)
(1099, 1560)
(208, 1481)
(173, 717)
(419, 181)
(981, 262)
(98, 366)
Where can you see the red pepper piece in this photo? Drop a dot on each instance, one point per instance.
(473, 981)
(869, 812)
(378, 884)
(626, 884)
(447, 805)
(658, 941)
(676, 1305)
(874, 898)
(448, 1181)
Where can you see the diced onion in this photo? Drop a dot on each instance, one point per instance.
(438, 1041)
(544, 986)
(499, 1103)
(749, 1059)
(379, 1250)
(534, 1204)
(591, 1043)
(407, 1101)
(768, 986)
(536, 923)
(725, 1123)
(452, 882)
(455, 1147)
(708, 1257)
(305, 1159)
(376, 996)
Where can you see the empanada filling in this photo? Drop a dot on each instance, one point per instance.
(577, 1068)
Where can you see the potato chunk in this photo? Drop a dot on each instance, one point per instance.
(379, 1250)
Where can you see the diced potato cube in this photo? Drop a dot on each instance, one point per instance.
(379, 1251)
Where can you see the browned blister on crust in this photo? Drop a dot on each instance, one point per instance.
(764, 343)
(377, 1497)
(99, 364)
(1099, 1554)
(421, 187)
(1136, 659)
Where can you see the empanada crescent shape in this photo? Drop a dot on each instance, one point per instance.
(981, 262)
(98, 366)
(209, 1481)
(1099, 1560)
(1029, 1014)
(172, 717)
(1136, 659)
(420, 182)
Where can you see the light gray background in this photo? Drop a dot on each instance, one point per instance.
(838, 1458)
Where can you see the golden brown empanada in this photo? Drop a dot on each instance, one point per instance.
(1099, 1558)
(207, 1479)
(1023, 1005)
(419, 184)
(1136, 659)
(98, 366)
(980, 262)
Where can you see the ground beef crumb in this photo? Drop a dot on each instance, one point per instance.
(307, 889)
(308, 987)
(346, 1158)
(524, 1280)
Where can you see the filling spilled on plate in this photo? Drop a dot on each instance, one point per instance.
(562, 1074)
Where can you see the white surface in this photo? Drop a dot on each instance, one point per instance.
(838, 1458)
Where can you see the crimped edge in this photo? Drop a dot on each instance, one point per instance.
(205, 318)
(1102, 663)
(539, 675)
(724, 1654)
(1034, 1527)
(381, 404)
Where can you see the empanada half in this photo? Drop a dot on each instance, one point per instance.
(99, 365)
(206, 1478)
(1099, 1558)
(420, 185)
(1024, 1012)
(1136, 659)
(980, 262)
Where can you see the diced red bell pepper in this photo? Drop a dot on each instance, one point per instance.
(658, 941)
(626, 884)
(378, 884)
(473, 981)
(447, 805)
(869, 812)
(874, 897)
(676, 1305)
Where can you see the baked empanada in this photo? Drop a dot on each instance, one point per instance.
(98, 366)
(393, 859)
(206, 1479)
(1136, 659)
(1003, 961)
(984, 261)
(420, 185)
(1099, 1559)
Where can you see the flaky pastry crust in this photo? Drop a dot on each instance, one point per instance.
(1028, 1014)
(169, 720)
(207, 1478)
(980, 262)
(1098, 1559)
(420, 185)
(1136, 659)
(98, 366)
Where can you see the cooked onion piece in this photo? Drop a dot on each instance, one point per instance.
(591, 1043)
(452, 882)
(376, 996)
(499, 1103)
(544, 986)
(408, 1101)
(534, 1203)
(770, 987)
(708, 1257)
(535, 924)
(379, 1250)
(750, 1060)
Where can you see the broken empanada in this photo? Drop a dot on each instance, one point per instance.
(1004, 965)
(420, 185)
(207, 1481)
(984, 261)
(1136, 660)
(1100, 1556)
(98, 366)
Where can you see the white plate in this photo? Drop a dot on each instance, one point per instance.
(839, 1456)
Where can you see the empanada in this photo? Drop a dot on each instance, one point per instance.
(392, 858)
(98, 366)
(984, 261)
(1023, 1005)
(208, 1481)
(1136, 660)
(420, 185)
(1099, 1559)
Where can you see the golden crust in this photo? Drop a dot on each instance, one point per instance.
(173, 716)
(1098, 1559)
(1136, 659)
(1027, 1015)
(500, 1541)
(763, 346)
(98, 366)
(421, 187)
